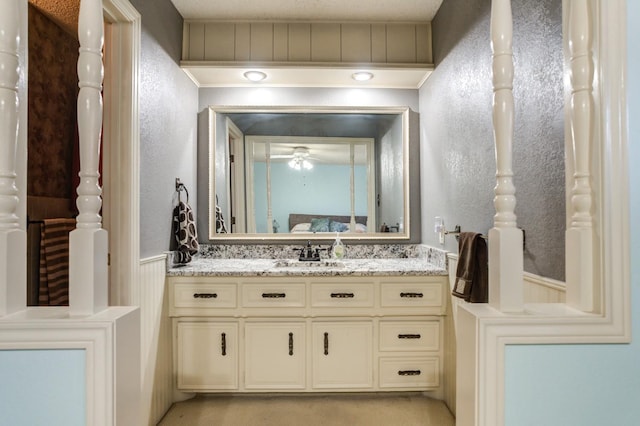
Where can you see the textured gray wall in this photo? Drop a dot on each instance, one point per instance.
(457, 151)
(168, 123)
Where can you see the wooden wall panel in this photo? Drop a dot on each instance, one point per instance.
(401, 43)
(262, 39)
(196, 41)
(325, 42)
(280, 42)
(378, 43)
(243, 42)
(356, 42)
(155, 340)
(349, 43)
(300, 42)
(219, 43)
(424, 51)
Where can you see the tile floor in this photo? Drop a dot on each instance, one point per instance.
(309, 410)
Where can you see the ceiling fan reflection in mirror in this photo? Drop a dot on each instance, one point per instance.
(299, 158)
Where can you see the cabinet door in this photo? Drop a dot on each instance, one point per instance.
(207, 356)
(342, 355)
(275, 355)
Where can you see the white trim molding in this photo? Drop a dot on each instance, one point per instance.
(122, 149)
(111, 341)
(483, 332)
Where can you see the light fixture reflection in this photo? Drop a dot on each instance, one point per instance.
(298, 163)
(362, 76)
(255, 75)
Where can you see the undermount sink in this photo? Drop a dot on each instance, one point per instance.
(294, 263)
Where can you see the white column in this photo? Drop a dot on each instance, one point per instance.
(267, 154)
(505, 239)
(13, 245)
(88, 244)
(579, 254)
(352, 180)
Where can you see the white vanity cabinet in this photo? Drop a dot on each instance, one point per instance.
(342, 355)
(207, 355)
(308, 333)
(275, 355)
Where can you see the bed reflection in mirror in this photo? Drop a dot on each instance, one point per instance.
(322, 177)
(275, 173)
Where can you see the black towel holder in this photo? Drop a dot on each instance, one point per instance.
(457, 230)
(180, 187)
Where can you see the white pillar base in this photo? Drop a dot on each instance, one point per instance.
(506, 292)
(581, 292)
(13, 271)
(88, 273)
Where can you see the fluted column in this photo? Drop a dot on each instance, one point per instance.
(88, 251)
(580, 234)
(13, 246)
(505, 239)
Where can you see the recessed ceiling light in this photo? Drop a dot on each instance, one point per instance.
(362, 76)
(255, 75)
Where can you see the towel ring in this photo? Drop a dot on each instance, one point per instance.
(179, 188)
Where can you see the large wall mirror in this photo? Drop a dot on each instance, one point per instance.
(307, 173)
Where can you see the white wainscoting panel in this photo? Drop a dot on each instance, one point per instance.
(537, 289)
(449, 381)
(155, 340)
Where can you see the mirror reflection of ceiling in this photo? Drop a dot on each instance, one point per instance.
(319, 151)
(300, 124)
(310, 10)
(314, 125)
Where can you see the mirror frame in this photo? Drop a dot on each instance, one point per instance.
(405, 236)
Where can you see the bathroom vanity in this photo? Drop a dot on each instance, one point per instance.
(269, 325)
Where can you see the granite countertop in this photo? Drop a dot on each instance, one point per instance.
(202, 267)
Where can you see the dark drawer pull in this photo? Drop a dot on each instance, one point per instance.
(409, 373)
(290, 344)
(274, 295)
(342, 295)
(410, 294)
(223, 343)
(205, 295)
(408, 336)
(326, 343)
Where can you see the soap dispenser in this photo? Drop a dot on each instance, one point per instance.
(337, 251)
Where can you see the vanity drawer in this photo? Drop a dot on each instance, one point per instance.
(409, 335)
(410, 372)
(418, 294)
(342, 294)
(201, 295)
(257, 295)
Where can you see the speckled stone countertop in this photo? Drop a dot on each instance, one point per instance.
(408, 263)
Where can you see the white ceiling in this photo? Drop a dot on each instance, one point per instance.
(310, 10)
